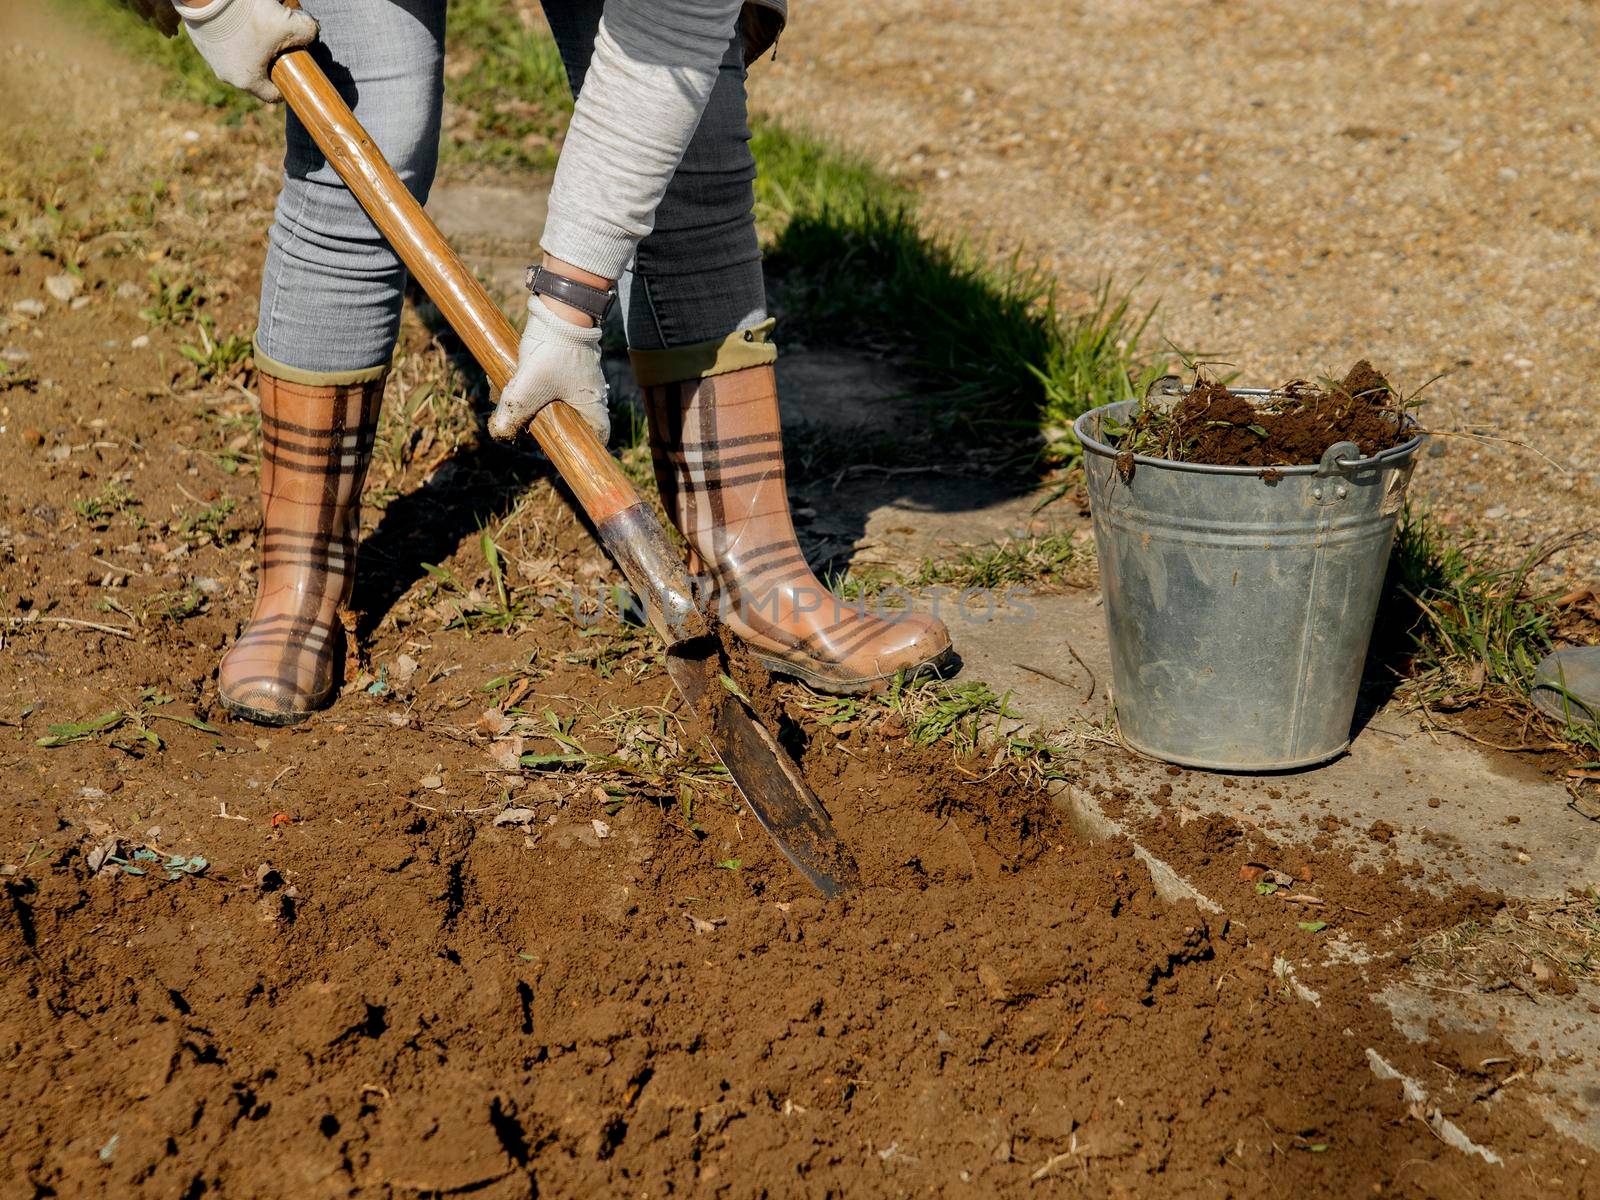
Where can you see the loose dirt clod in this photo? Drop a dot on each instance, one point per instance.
(1294, 427)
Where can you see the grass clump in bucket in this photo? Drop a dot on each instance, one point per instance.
(1293, 425)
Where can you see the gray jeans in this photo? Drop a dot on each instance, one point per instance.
(332, 288)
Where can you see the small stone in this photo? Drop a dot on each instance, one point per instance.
(29, 308)
(64, 288)
(32, 437)
(80, 302)
(1433, 802)
(431, 782)
(404, 668)
(208, 586)
(515, 816)
(129, 291)
(1524, 858)
(17, 357)
(601, 829)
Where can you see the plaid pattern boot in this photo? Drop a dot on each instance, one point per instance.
(718, 452)
(316, 441)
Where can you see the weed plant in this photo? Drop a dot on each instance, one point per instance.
(1477, 627)
(853, 263)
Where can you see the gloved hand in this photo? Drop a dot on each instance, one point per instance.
(557, 361)
(239, 39)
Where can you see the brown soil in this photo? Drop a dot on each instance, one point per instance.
(1213, 425)
(412, 1000)
(411, 965)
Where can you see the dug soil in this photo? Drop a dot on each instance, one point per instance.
(386, 988)
(494, 924)
(1293, 427)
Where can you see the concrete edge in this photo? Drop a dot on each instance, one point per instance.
(1089, 819)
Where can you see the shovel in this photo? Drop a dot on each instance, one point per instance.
(764, 774)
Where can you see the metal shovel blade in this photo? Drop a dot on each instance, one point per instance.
(766, 776)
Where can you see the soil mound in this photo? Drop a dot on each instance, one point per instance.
(414, 1002)
(1294, 427)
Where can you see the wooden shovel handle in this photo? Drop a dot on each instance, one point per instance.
(593, 475)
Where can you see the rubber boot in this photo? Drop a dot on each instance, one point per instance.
(316, 441)
(718, 452)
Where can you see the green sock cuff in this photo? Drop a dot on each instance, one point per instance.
(739, 350)
(268, 365)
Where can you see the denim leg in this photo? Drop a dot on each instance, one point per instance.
(697, 277)
(333, 287)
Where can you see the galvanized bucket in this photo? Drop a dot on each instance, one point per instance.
(1239, 600)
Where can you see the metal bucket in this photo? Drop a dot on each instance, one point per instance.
(1239, 600)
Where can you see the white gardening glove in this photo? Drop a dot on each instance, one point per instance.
(240, 39)
(557, 361)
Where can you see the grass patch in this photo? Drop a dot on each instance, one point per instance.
(1013, 561)
(1053, 557)
(206, 524)
(852, 263)
(494, 604)
(1523, 946)
(1477, 627)
(111, 501)
(505, 87)
(216, 357)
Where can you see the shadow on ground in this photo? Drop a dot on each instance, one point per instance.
(869, 460)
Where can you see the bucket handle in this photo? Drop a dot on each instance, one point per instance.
(1339, 459)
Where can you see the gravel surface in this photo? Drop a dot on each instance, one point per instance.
(1297, 185)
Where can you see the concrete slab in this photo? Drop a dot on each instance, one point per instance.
(1404, 791)
(495, 227)
(504, 216)
(1556, 1034)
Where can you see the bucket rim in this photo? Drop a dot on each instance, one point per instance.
(1093, 445)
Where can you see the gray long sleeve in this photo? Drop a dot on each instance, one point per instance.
(653, 69)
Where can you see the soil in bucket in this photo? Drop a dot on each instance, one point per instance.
(1292, 427)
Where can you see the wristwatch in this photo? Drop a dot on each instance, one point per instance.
(595, 301)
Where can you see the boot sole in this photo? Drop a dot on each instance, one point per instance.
(262, 716)
(863, 686)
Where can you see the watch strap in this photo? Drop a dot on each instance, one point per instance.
(596, 302)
